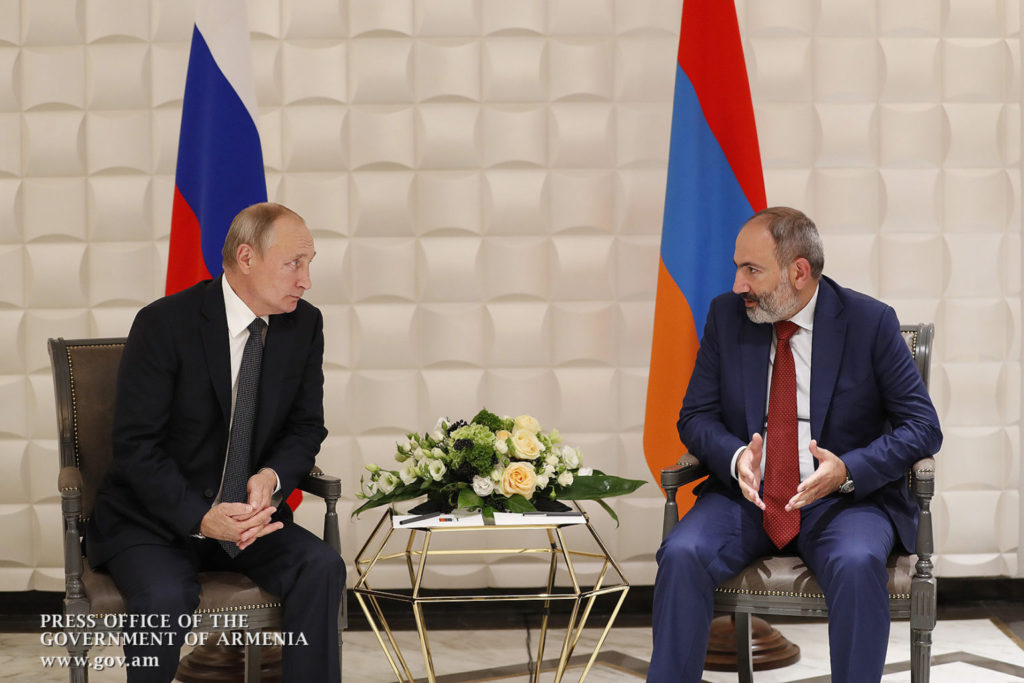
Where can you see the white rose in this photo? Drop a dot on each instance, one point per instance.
(571, 457)
(482, 486)
(387, 483)
(585, 471)
(551, 459)
(409, 473)
(565, 478)
(501, 447)
(527, 445)
(542, 482)
(496, 474)
(527, 422)
(436, 469)
(548, 471)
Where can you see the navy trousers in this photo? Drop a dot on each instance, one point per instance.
(291, 562)
(846, 545)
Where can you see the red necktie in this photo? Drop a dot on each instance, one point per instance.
(782, 470)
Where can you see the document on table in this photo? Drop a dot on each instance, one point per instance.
(449, 520)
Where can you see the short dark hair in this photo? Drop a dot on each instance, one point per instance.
(795, 237)
(252, 225)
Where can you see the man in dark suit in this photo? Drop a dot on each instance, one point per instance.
(811, 384)
(193, 386)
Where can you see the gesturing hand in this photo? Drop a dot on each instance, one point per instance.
(829, 476)
(748, 470)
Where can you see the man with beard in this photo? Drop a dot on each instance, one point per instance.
(811, 385)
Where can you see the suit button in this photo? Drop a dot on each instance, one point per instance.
(209, 493)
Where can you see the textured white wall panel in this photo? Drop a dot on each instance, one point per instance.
(485, 180)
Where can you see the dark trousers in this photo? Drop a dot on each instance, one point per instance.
(291, 562)
(846, 545)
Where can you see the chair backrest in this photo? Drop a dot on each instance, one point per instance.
(85, 389)
(919, 339)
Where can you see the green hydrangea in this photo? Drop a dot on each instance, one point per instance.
(480, 458)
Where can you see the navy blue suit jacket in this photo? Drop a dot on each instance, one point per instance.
(869, 404)
(173, 412)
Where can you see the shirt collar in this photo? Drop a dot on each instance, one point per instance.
(238, 314)
(804, 318)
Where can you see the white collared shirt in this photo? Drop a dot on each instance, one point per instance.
(800, 344)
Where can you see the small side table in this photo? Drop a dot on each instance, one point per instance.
(416, 552)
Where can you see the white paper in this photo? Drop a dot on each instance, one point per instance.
(476, 520)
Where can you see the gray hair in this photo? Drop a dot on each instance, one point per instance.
(795, 237)
(252, 226)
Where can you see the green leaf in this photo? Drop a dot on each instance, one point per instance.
(609, 510)
(407, 492)
(488, 514)
(518, 503)
(598, 485)
(469, 499)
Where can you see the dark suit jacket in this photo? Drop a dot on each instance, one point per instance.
(173, 412)
(869, 405)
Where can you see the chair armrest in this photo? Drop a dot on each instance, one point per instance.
(319, 484)
(69, 479)
(922, 478)
(328, 488)
(687, 469)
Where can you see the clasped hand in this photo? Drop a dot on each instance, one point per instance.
(243, 523)
(828, 477)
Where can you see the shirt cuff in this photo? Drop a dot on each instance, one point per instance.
(732, 465)
(277, 487)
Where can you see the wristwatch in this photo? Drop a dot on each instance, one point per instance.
(847, 486)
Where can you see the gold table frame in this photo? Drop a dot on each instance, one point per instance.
(416, 555)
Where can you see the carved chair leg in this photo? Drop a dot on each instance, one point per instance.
(253, 662)
(920, 655)
(744, 656)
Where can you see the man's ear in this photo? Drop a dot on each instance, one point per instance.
(800, 272)
(243, 257)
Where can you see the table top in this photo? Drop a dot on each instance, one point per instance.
(464, 520)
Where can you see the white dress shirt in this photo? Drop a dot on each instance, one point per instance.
(800, 344)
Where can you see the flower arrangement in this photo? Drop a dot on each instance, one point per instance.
(492, 464)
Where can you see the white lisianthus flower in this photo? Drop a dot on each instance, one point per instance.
(404, 446)
(441, 424)
(501, 446)
(496, 474)
(585, 471)
(554, 436)
(527, 422)
(372, 467)
(571, 457)
(565, 478)
(436, 453)
(482, 486)
(418, 453)
(526, 444)
(548, 471)
(437, 435)
(551, 459)
(371, 488)
(436, 469)
(542, 482)
(387, 483)
(409, 473)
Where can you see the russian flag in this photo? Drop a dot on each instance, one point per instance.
(714, 185)
(220, 161)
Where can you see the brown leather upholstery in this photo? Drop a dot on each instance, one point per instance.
(788, 575)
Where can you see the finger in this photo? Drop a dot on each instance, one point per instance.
(233, 509)
(249, 538)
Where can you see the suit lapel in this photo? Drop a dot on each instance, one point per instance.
(215, 345)
(277, 349)
(826, 353)
(755, 344)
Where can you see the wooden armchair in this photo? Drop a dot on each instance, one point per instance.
(85, 378)
(783, 585)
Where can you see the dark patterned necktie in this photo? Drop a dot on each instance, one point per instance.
(782, 470)
(238, 467)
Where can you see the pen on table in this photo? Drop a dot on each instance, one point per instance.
(419, 518)
(449, 518)
(565, 513)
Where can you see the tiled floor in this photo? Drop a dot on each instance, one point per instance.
(965, 651)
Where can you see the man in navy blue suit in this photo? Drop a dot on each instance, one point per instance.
(166, 510)
(862, 417)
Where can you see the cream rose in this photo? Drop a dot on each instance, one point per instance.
(527, 422)
(519, 477)
(527, 445)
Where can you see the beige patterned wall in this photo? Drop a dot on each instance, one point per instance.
(485, 181)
